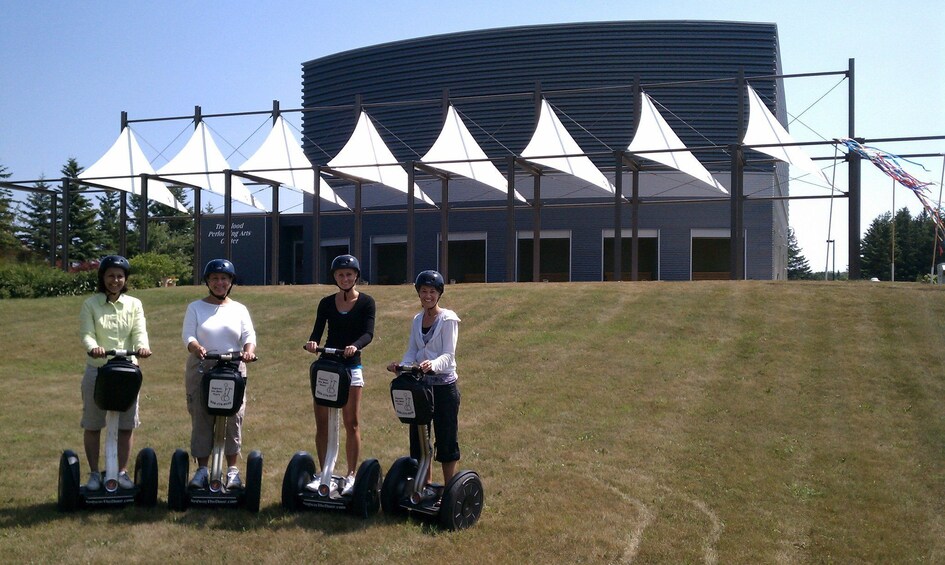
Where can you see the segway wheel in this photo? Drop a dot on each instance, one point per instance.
(299, 473)
(146, 478)
(177, 498)
(254, 470)
(365, 499)
(68, 481)
(394, 489)
(462, 501)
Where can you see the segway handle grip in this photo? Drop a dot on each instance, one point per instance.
(409, 368)
(228, 356)
(330, 350)
(116, 353)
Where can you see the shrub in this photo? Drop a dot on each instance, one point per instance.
(149, 270)
(31, 280)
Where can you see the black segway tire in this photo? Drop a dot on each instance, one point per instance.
(299, 473)
(254, 471)
(394, 488)
(68, 482)
(146, 478)
(177, 497)
(462, 501)
(366, 497)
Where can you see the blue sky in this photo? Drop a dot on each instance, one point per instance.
(69, 68)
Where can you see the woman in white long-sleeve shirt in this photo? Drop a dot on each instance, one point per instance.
(432, 344)
(215, 324)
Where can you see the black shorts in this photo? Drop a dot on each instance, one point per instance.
(445, 425)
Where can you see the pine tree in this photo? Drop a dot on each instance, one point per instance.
(85, 238)
(798, 267)
(171, 235)
(36, 225)
(109, 216)
(9, 244)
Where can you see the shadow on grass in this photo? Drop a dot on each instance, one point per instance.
(47, 513)
(269, 518)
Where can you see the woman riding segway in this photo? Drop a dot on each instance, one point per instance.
(349, 315)
(219, 324)
(109, 320)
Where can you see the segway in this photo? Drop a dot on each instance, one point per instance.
(455, 506)
(116, 389)
(223, 387)
(330, 381)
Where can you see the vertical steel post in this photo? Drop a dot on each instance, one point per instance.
(143, 221)
(618, 224)
(316, 227)
(510, 241)
(274, 268)
(228, 214)
(445, 229)
(66, 202)
(854, 179)
(411, 216)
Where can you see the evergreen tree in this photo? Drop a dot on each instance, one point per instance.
(36, 225)
(9, 244)
(170, 232)
(86, 240)
(109, 216)
(798, 267)
(913, 246)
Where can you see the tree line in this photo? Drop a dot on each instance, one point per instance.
(26, 228)
(902, 248)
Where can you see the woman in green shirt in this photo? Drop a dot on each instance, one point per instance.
(110, 319)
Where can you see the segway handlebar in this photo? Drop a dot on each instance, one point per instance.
(412, 369)
(116, 353)
(228, 356)
(328, 350)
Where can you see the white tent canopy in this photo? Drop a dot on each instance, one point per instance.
(764, 128)
(200, 162)
(125, 161)
(653, 133)
(551, 139)
(456, 151)
(281, 151)
(365, 156)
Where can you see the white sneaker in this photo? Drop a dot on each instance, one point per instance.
(124, 481)
(95, 481)
(233, 478)
(349, 485)
(200, 478)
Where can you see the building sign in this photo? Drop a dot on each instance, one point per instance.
(249, 245)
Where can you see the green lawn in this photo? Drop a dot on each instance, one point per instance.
(719, 422)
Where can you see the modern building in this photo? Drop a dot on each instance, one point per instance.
(590, 75)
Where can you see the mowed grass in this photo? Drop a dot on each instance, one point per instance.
(714, 422)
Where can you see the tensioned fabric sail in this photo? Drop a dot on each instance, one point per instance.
(201, 163)
(456, 144)
(763, 128)
(367, 157)
(125, 161)
(281, 151)
(550, 139)
(653, 133)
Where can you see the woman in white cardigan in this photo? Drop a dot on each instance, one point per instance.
(432, 344)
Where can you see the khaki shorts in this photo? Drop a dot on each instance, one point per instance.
(93, 417)
(201, 431)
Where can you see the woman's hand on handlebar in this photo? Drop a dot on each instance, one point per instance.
(248, 356)
(197, 349)
(350, 351)
(143, 352)
(311, 347)
(392, 366)
(97, 352)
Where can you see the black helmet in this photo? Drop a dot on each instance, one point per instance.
(219, 266)
(345, 262)
(112, 261)
(430, 278)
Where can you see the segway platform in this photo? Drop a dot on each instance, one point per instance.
(223, 388)
(116, 389)
(330, 382)
(456, 505)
